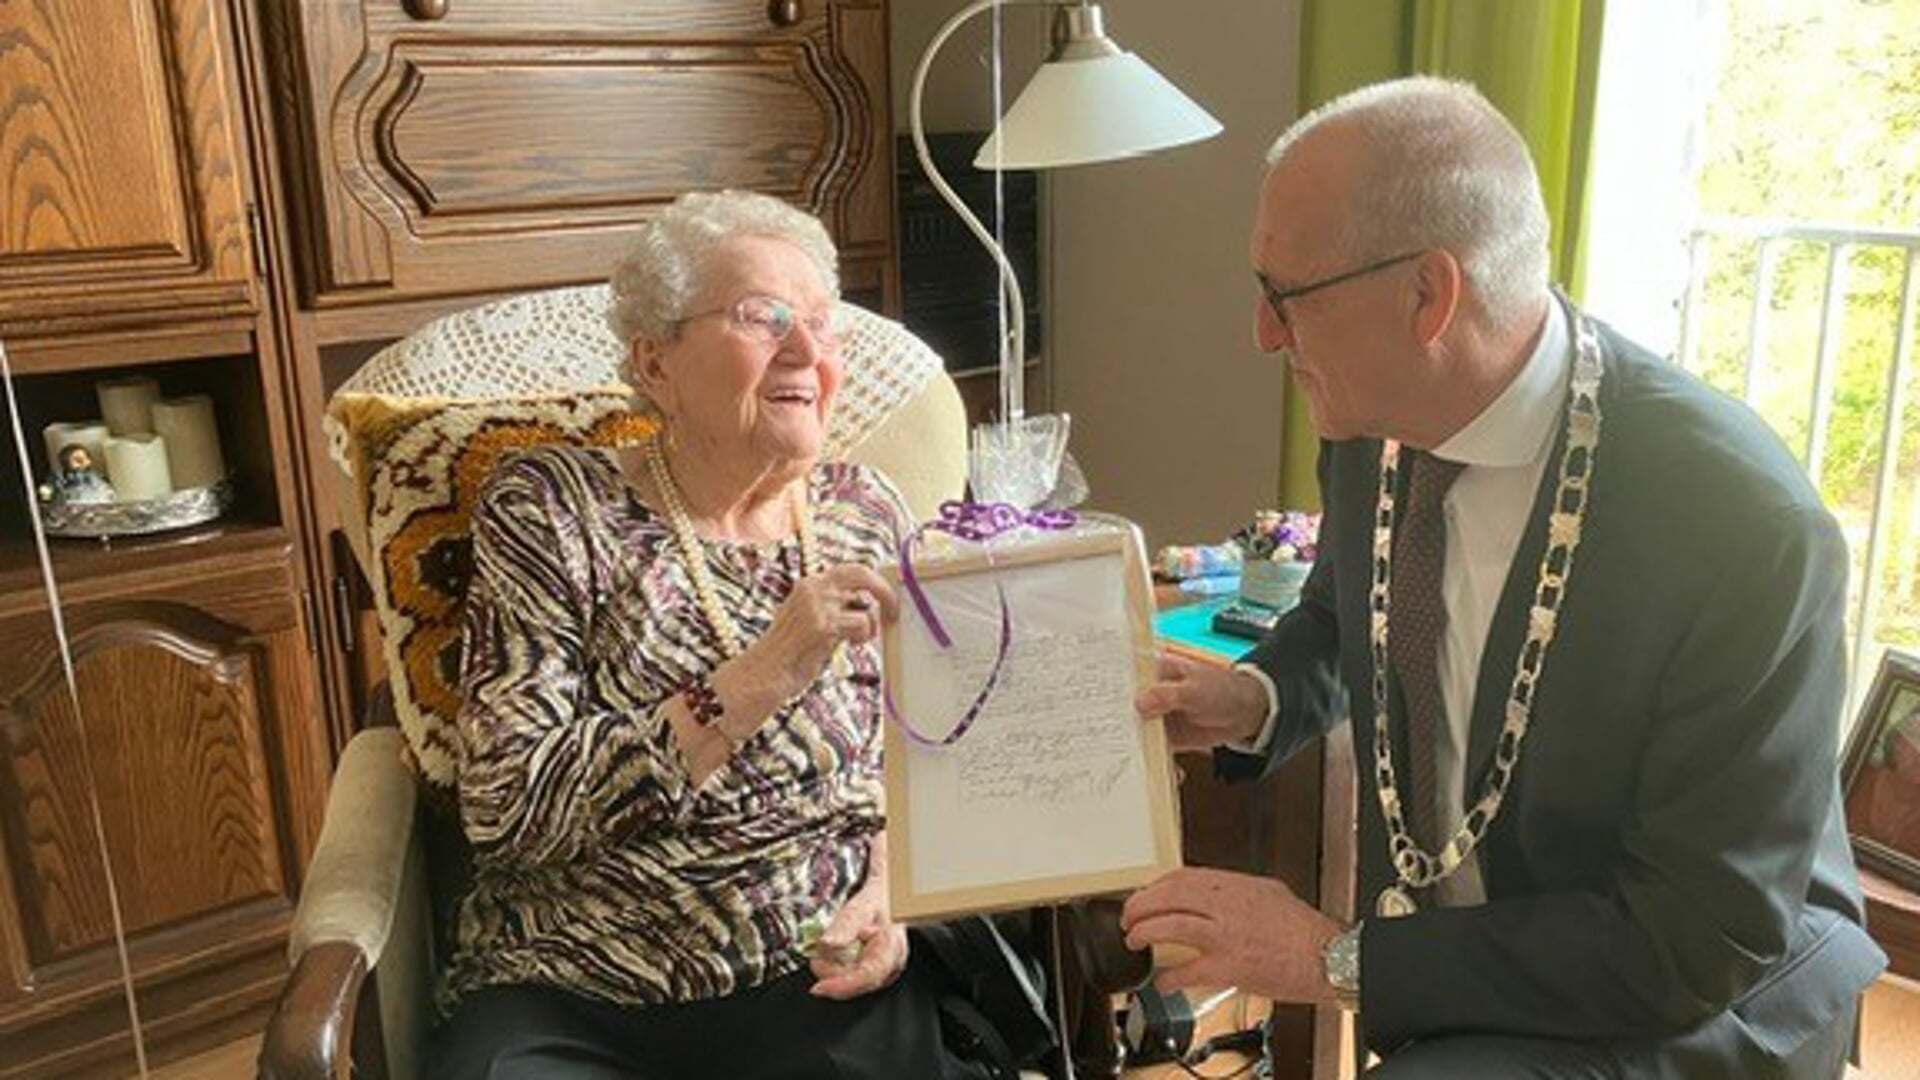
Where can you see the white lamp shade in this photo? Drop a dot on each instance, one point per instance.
(1076, 112)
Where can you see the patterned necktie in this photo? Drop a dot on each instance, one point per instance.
(1417, 619)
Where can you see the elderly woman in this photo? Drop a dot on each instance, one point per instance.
(671, 748)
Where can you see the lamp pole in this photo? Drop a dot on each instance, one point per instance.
(1013, 347)
(1091, 101)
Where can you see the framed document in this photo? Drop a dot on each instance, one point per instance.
(1055, 788)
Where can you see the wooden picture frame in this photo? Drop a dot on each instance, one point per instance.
(1880, 775)
(1058, 789)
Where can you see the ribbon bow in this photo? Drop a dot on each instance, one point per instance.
(984, 521)
(976, 523)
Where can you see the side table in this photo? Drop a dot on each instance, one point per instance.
(1893, 918)
(1296, 825)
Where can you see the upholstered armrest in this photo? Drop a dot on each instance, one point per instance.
(354, 893)
(352, 887)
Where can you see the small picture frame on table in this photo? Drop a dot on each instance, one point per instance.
(1880, 775)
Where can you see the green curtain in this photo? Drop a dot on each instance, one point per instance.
(1537, 60)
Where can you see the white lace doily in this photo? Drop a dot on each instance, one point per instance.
(557, 341)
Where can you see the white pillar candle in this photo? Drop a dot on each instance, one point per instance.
(127, 404)
(137, 464)
(193, 440)
(88, 433)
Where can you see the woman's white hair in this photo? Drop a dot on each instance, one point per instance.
(658, 280)
(1443, 169)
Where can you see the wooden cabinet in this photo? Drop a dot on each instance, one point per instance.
(245, 198)
(192, 774)
(193, 760)
(516, 143)
(123, 186)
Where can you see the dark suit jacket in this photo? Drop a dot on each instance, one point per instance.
(1671, 866)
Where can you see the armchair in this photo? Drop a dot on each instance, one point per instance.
(364, 947)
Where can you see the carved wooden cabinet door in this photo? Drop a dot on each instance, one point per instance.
(443, 147)
(123, 176)
(189, 762)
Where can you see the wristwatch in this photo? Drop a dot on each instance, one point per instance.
(1341, 958)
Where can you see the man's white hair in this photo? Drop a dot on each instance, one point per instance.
(1441, 168)
(656, 283)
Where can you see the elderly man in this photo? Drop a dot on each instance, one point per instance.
(1586, 617)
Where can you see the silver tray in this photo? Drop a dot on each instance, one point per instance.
(191, 506)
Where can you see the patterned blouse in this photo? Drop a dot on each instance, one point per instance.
(599, 867)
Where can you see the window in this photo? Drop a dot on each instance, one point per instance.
(1766, 236)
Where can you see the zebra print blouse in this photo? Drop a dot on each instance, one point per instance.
(598, 866)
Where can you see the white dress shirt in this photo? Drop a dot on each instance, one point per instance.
(1505, 449)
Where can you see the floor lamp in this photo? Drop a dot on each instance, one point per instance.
(1090, 102)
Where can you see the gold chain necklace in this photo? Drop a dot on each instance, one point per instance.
(1418, 869)
(705, 591)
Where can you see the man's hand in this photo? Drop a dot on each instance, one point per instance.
(1245, 931)
(1204, 705)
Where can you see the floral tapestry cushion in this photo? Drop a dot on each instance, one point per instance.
(418, 467)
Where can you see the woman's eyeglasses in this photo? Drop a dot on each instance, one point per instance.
(770, 321)
(1276, 296)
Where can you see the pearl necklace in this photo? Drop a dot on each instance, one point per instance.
(1418, 869)
(705, 591)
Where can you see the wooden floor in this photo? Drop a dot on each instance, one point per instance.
(1890, 1049)
(233, 1061)
(1890, 1040)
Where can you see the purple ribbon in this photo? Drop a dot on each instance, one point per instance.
(976, 523)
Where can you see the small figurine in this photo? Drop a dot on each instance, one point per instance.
(79, 480)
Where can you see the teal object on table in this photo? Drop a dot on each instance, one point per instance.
(1192, 625)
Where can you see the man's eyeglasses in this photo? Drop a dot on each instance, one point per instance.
(1276, 297)
(770, 321)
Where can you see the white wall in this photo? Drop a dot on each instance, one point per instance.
(960, 84)
(1176, 414)
(1148, 290)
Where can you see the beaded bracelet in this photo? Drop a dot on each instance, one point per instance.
(703, 703)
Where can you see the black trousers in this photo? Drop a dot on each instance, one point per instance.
(778, 1031)
(1709, 1054)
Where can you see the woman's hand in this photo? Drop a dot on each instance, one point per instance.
(863, 949)
(845, 604)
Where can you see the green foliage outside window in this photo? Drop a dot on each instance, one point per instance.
(1816, 119)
